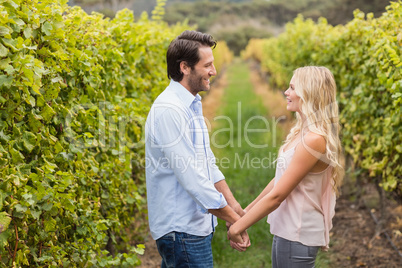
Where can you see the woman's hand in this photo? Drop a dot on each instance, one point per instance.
(245, 239)
(239, 246)
(235, 237)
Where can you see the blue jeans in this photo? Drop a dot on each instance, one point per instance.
(290, 254)
(185, 250)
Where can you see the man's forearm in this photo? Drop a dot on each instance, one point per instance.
(227, 214)
(223, 188)
(231, 213)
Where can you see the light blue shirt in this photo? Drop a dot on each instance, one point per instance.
(180, 166)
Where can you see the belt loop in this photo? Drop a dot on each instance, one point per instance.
(213, 225)
(172, 235)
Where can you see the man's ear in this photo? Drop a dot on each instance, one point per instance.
(184, 68)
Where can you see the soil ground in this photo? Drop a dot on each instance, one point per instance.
(356, 240)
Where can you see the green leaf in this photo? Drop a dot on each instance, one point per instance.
(20, 208)
(130, 200)
(4, 237)
(4, 63)
(4, 136)
(11, 3)
(19, 22)
(11, 43)
(16, 179)
(47, 206)
(396, 95)
(49, 166)
(30, 47)
(9, 70)
(31, 100)
(34, 121)
(17, 156)
(4, 31)
(28, 198)
(1, 200)
(56, 79)
(40, 101)
(46, 28)
(51, 92)
(6, 80)
(36, 213)
(25, 169)
(28, 74)
(50, 225)
(140, 249)
(29, 140)
(27, 32)
(3, 51)
(68, 204)
(47, 112)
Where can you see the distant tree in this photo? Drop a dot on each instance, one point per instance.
(236, 21)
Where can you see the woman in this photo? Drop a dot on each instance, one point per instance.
(300, 200)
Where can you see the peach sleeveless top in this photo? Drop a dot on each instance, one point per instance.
(306, 214)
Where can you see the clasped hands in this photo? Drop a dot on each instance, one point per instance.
(239, 241)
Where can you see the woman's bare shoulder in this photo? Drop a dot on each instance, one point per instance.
(315, 141)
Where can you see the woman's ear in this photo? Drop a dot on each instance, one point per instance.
(184, 68)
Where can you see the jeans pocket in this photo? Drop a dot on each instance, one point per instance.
(198, 250)
(166, 248)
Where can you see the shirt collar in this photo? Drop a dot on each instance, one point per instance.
(183, 94)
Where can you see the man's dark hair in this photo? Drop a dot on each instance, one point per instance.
(185, 48)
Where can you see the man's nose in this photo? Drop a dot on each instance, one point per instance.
(213, 71)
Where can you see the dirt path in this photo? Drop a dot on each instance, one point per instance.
(354, 239)
(151, 257)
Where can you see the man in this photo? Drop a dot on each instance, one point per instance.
(185, 189)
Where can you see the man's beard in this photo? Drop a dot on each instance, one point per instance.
(196, 83)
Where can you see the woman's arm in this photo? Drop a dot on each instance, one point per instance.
(301, 164)
(264, 192)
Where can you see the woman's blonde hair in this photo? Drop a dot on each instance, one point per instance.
(317, 91)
